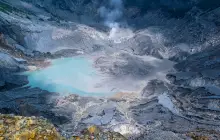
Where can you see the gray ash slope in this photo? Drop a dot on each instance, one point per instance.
(131, 42)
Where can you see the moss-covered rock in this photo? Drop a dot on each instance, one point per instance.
(32, 128)
(27, 128)
(94, 132)
(195, 136)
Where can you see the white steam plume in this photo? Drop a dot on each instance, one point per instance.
(111, 15)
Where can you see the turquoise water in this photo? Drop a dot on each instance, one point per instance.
(69, 76)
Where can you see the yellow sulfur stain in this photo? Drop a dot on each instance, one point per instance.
(92, 129)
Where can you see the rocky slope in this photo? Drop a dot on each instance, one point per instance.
(168, 51)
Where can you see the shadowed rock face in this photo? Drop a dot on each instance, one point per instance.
(205, 60)
(197, 85)
(175, 7)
